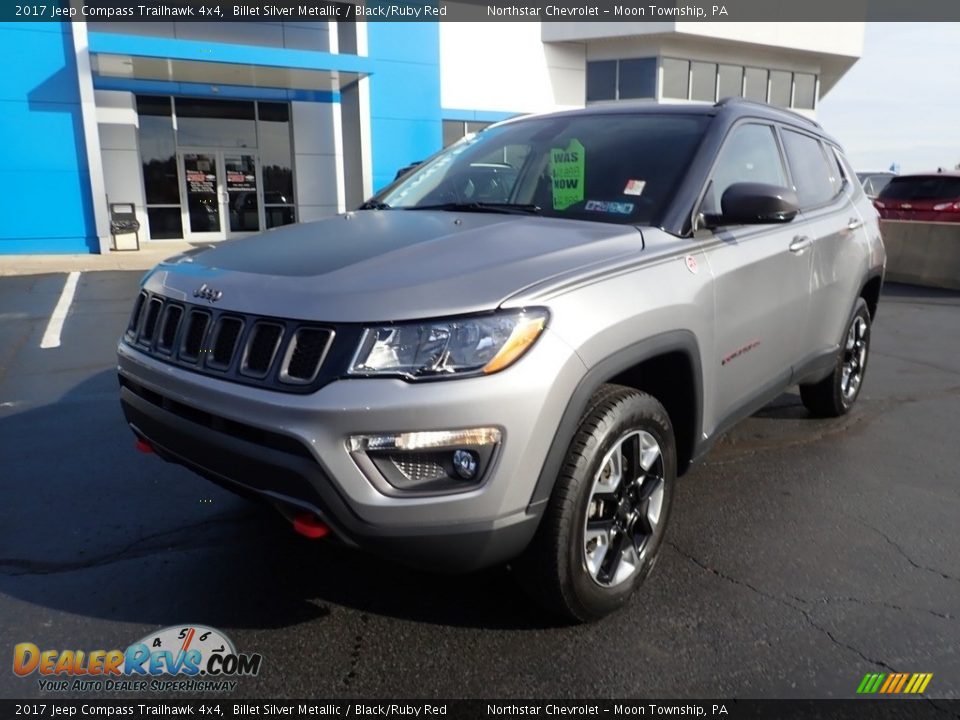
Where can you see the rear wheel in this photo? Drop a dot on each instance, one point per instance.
(605, 521)
(834, 395)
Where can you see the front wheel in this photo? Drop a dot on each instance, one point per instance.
(605, 521)
(834, 395)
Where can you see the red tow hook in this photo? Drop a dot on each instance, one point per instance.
(143, 446)
(309, 525)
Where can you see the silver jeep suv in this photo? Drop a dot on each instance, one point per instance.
(513, 351)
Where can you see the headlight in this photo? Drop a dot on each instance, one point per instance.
(448, 348)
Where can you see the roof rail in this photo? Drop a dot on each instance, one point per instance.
(733, 100)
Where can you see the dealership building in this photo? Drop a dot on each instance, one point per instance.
(207, 131)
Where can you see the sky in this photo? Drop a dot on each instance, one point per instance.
(900, 103)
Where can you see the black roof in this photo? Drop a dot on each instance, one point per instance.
(730, 109)
(676, 217)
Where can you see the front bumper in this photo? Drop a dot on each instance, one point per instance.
(293, 449)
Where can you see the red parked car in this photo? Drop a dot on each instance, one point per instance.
(927, 197)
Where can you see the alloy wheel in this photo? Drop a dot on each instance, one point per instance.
(624, 509)
(854, 358)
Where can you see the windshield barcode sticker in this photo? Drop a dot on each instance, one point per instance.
(619, 208)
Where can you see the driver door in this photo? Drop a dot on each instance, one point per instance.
(762, 279)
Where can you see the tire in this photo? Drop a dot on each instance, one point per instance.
(619, 473)
(835, 394)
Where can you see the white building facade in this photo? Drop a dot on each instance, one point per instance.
(537, 67)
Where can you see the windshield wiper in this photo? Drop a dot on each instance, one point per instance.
(505, 208)
(374, 205)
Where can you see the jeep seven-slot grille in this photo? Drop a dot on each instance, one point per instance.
(305, 351)
(277, 353)
(171, 321)
(261, 349)
(224, 342)
(197, 322)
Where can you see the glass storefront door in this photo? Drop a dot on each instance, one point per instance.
(202, 187)
(243, 203)
(221, 189)
(214, 168)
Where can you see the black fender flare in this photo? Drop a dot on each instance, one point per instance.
(579, 404)
(870, 276)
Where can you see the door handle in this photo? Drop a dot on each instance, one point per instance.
(800, 243)
(854, 224)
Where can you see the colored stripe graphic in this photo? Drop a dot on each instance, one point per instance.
(894, 683)
(870, 683)
(903, 680)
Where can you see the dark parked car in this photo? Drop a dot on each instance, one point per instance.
(927, 197)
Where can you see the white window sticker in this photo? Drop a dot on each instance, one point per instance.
(634, 187)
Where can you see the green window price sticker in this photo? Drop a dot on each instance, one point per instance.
(566, 174)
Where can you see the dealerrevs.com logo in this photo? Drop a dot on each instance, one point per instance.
(181, 658)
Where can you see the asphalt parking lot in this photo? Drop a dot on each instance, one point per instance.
(802, 555)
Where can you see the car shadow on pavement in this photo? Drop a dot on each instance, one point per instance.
(918, 293)
(92, 527)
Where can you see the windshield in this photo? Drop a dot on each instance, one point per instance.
(609, 168)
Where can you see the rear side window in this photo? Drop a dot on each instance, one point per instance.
(814, 180)
(922, 187)
(750, 154)
(839, 170)
(849, 174)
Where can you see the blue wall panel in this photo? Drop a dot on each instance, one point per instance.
(405, 121)
(44, 179)
(206, 51)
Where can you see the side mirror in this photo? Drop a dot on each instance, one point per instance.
(755, 204)
(404, 170)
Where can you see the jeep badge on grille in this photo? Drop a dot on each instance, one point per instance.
(208, 293)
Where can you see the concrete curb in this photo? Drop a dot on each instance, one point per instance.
(144, 259)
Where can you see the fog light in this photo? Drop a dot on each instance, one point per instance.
(430, 440)
(433, 462)
(465, 464)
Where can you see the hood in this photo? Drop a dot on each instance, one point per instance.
(393, 265)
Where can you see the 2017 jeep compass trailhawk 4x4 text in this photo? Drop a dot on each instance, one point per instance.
(513, 351)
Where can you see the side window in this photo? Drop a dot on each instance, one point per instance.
(845, 174)
(750, 154)
(814, 180)
(836, 169)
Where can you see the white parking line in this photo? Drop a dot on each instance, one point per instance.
(51, 338)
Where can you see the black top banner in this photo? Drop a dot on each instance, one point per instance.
(472, 11)
(918, 709)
